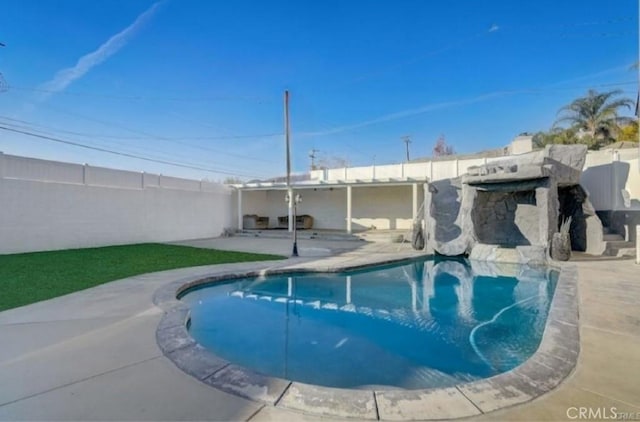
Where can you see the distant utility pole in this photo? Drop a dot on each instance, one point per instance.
(3, 84)
(407, 141)
(312, 155)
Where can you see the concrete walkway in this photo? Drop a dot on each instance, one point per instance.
(92, 355)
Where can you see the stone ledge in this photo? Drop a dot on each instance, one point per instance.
(327, 401)
(173, 338)
(407, 405)
(197, 361)
(249, 384)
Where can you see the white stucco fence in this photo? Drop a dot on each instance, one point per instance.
(46, 205)
(611, 177)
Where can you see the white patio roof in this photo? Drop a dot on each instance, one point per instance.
(315, 184)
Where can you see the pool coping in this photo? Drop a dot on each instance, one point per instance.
(554, 360)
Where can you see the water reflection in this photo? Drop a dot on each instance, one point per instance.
(423, 324)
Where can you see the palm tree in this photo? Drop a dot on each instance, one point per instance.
(556, 135)
(596, 116)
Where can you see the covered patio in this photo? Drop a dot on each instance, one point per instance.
(343, 205)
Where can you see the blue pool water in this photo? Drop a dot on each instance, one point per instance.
(417, 325)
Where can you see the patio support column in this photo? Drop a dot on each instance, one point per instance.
(240, 219)
(415, 201)
(638, 244)
(426, 213)
(349, 198)
(291, 200)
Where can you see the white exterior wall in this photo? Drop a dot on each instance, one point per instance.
(633, 184)
(521, 145)
(387, 171)
(416, 170)
(49, 205)
(388, 207)
(328, 207)
(612, 179)
(363, 173)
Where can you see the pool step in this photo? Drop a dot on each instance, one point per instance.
(619, 248)
(612, 237)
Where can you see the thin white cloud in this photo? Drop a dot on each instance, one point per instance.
(407, 113)
(455, 103)
(65, 77)
(605, 72)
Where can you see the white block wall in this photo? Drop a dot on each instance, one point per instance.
(47, 205)
(606, 174)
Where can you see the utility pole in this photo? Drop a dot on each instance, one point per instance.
(407, 141)
(292, 200)
(312, 155)
(286, 135)
(3, 84)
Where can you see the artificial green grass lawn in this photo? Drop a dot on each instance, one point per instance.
(32, 277)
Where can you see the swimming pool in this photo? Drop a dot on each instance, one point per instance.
(412, 325)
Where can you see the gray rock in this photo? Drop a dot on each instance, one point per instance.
(510, 205)
(573, 156)
(445, 219)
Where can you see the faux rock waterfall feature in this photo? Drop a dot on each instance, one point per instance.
(508, 210)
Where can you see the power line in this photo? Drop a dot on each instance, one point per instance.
(162, 154)
(22, 124)
(122, 154)
(153, 137)
(172, 138)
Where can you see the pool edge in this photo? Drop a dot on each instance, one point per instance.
(554, 360)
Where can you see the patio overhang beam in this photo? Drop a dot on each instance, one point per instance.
(323, 184)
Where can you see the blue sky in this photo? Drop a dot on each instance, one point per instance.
(201, 82)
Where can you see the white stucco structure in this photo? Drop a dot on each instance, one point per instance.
(350, 206)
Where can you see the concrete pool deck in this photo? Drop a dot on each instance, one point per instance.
(92, 355)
